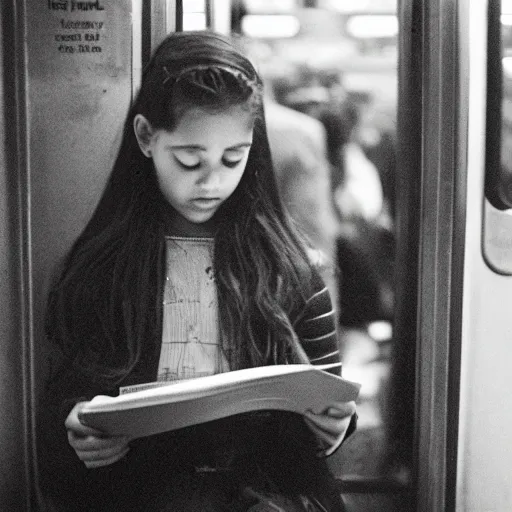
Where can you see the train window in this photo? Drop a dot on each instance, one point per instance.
(498, 181)
(261, 19)
(373, 26)
(270, 25)
(506, 102)
(194, 14)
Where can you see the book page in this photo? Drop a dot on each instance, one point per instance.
(294, 388)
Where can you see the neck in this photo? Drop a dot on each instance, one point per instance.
(177, 225)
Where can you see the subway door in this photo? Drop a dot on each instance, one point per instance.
(69, 72)
(15, 466)
(485, 414)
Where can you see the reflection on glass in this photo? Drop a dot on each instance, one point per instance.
(506, 137)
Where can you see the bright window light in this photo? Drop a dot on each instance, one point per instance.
(270, 26)
(193, 6)
(506, 6)
(372, 26)
(194, 21)
(507, 66)
(506, 19)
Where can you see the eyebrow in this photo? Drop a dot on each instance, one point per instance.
(203, 148)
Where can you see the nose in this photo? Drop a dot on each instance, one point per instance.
(210, 178)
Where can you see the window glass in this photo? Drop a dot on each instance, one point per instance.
(194, 15)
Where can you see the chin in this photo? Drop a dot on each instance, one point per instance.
(200, 219)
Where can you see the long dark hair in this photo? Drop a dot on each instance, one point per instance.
(105, 309)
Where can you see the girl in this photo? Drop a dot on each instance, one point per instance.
(188, 267)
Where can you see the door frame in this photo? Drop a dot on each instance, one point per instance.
(17, 466)
(434, 87)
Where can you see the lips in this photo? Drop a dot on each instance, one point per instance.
(206, 202)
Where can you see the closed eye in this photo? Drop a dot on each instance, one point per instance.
(231, 164)
(232, 157)
(187, 166)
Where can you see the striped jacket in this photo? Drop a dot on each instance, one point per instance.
(280, 443)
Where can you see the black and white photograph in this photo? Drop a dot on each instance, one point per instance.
(256, 255)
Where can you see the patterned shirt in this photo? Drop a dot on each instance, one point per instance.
(190, 344)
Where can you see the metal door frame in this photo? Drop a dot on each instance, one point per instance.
(435, 95)
(17, 468)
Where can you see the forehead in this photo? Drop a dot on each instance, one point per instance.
(226, 128)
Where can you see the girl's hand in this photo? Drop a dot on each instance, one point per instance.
(331, 425)
(94, 448)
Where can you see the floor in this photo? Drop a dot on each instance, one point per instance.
(363, 455)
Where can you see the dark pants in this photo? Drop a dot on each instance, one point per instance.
(255, 462)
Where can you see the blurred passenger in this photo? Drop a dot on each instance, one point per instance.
(298, 147)
(356, 185)
(299, 155)
(361, 194)
(358, 189)
(338, 126)
(309, 99)
(380, 148)
(364, 245)
(376, 134)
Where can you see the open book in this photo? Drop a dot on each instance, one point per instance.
(293, 387)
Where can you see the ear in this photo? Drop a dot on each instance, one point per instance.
(144, 133)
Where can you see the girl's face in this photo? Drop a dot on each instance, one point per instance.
(201, 162)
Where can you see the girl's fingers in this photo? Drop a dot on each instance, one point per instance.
(101, 455)
(72, 423)
(91, 464)
(334, 446)
(331, 425)
(79, 429)
(324, 436)
(341, 409)
(330, 441)
(94, 443)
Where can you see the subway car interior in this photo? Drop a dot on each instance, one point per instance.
(408, 195)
